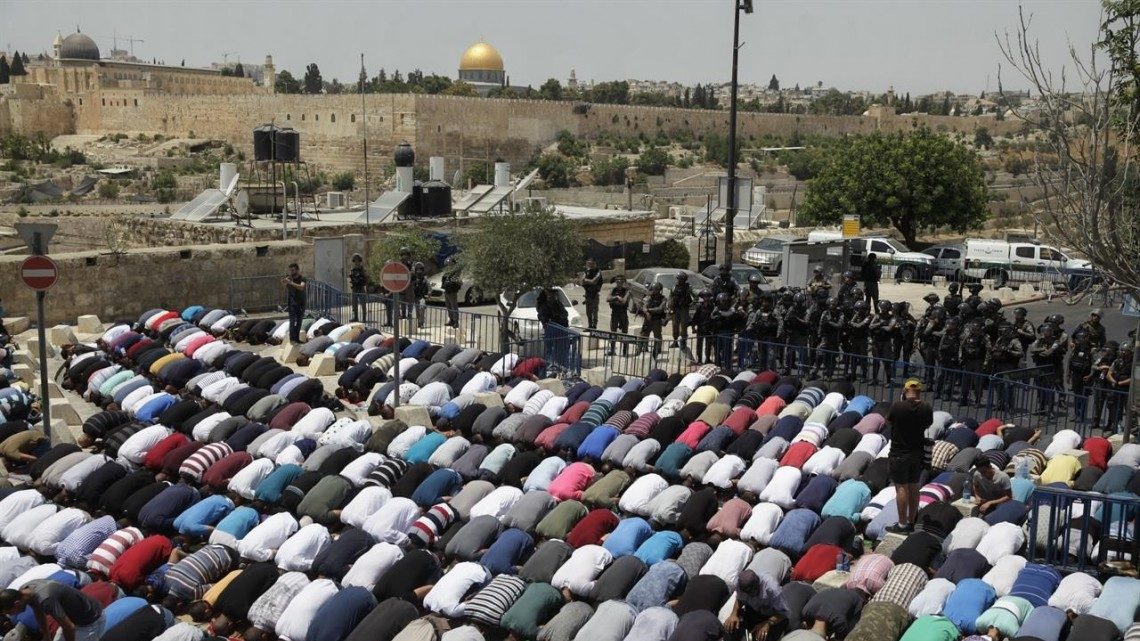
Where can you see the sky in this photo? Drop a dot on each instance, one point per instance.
(917, 46)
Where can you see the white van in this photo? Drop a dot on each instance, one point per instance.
(1025, 262)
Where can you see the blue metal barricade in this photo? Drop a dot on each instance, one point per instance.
(1081, 531)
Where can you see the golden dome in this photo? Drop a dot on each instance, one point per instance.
(481, 57)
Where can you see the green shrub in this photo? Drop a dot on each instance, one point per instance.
(344, 181)
(108, 190)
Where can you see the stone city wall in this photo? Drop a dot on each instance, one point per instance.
(29, 109)
(124, 285)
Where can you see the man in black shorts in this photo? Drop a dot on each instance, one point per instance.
(908, 419)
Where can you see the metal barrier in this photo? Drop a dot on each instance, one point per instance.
(1078, 531)
(256, 294)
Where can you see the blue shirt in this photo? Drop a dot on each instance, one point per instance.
(415, 349)
(120, 609)
(421, 450)
(74, 550)
(270, 489)
(672, 459)
(793, 532)
(208, 511)
(154, 408)
(967, 602)
(190, 311)
(28, 617)
(628, 536)
(848, 501)
(597, 442)
(1036, 583)
(440, 483)
(338, 616)
(507, 551)
(786, 428)
(658, 585)
(159, 513)
(860, 404)
(662, 545)
(239, 522)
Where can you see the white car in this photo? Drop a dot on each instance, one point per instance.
(524, 319)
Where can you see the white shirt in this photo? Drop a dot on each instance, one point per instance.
(372, 565)
(217, 389)
(1001, 539)
(871, 444)
(537, 402)
(133, 401)
(497, 503)
(404, 440)
(670, 407)
(222, 324)
(554, 407)
(291, 455)
(277, 443)
(114, 332)
(358, 469)
(728, 560)
(813, 433)
(1076, 593)
(724, 470)
(261, 543)
(297, 553)
(544, 474)
(337, 333)
(185, 341)
(346, 431)
(693, 380)
(298, 616)
(452, 448)
(21, 531)
(665, 508)
(931, 599)
(432, 396)
(405, 364)
(1062, 442)
(280, 332)
(134, 449)
(479, 383)
(316, 325)
(366, 503)
(647, 404)
(444, 597)
(519, 394)
(245, 482)
(201, 431)
(42, 571)
(502, 367)
(54, 529)
(391, 523)
(836, 401)
(316, 421)
(638, 497)
(824, 461)
(966, 534)
(181, 631)
(762, 524)
(883, 498)
(406, 390)
(581, 570)
(782, 488)
(204, 380)
(756, 478)
(71, 479)
(1004, 573)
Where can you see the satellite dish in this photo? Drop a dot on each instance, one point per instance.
(241, 202)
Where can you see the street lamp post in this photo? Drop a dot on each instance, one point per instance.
(730, 206)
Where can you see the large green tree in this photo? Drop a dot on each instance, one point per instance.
(286, 83)
(551, 90)
(5, 70)
(313, 82)
(17, 65)
(909, 181)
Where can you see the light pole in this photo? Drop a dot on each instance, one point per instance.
(730, 206)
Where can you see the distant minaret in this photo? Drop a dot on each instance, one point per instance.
(56, 45)
(572, 83)
(891, 96)
(269, 75)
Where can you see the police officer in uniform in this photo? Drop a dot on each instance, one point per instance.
(819, 282)
(929, 334)
(831, 325)
(451, 282)
(1048, 350)
(795, 325)
(784, 303)
(815, 313)
(882, 330)
(724, 284)
(849, 291)
(1006, 355)
(1026, 332)
(975, 360)
(1080, 371)
(1101, 387)
(750, 296)
(855, 339)
(763, 326)
(619, 311)
(654, 312)
(1094, 329)
(702, 324)
(725, 319)
(592, 282)
(975, 298)
(903, 338)
(953, 300)
(949, 358)
(1119, 376)
(680, 301)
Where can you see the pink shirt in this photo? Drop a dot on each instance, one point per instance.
(197, 343)
(571, 482)
(740, 419)
(730, 518)
(549, 435)
(771, 406)
(694, 433)
(870, 424)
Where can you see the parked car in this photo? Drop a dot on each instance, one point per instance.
(768, 254)
(1005, 261)
(667, 276)
(897, 260)
(524, 319)
(740, 273)
(469, 294)
(949, 259)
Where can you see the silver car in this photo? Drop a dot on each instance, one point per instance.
(768, 254)
(949, 259)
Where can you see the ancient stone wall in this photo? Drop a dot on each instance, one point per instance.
(28, 109)
(124, 285)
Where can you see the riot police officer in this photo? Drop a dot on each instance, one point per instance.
(1006, 355)
(953, 300)
(1026, 332)
(818, 282)
(929, 334)
(725, 320)
(1080, 372)
(975, 298)
(949, 358)
(680, 301)
(619, 312)
(763, 327)
(975, 360)
(795, 324)
(1094, 329)
(931, 301)
(654, 311)
(592, 282)
(882, 331)
(849, 291)
(703, 326)
(855, 339)
(785, 301)
(1119, 378)
(1102, 389)
(831, 325)
(750, 296)
(815, 313)
(724, 284)
(1048, 351)
(902, 342)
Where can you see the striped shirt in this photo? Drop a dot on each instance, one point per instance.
(191, 577)
(433, 522)
(387, 472)
(74, 550)
(269, 607)
(200, 461)
(489, 604)
(111, 549)
(904, 582)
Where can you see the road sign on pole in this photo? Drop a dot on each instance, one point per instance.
(396, 277)
(39, 273)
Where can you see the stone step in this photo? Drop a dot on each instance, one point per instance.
(17, 324)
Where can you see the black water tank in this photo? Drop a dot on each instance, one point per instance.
(288, 148)
(263, 142)
(404, 156)
(436, 201)
(412, 206)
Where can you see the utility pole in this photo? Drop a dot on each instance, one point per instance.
(364, 120)
(730, 206)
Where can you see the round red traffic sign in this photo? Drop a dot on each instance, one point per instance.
(38, 272)
(395, 276)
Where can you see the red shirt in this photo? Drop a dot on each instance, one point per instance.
(694, 433)
(1099, 450)
(771, 406)
(798, 454)
(740, 419)
(139, 346)
(154, 456)
(816, 562)
(287, 416)
(174, 459)
(526, 368)
(989, 427)
(197, 343)
(770, 377)
(133, 566)
(592, 527)
(219, 474)
(573, 413)
(548, 436)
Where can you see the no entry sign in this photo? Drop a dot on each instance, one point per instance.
(395, 276)
(38, 273)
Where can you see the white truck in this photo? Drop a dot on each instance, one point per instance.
(896, 259)
(1005, 262)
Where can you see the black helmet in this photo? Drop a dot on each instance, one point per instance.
(1047, 331)
(724, 268)
(800, 298)
(418, 266)
(704, 293)
(938, 313)
(975, 288)
(833, 302)
(931, 298)
(755, 279)
(655, 287)
(1056, 319)
(683, 277)
(884, 305)
(995, 303)
(954, 288)
(1113, 345)
(849, 275)
(788, 296)
(723, 297)
(899, 307)
(861, 305)
(953, 322)
(1018, 312)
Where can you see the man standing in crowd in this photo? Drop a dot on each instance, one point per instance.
(358, 281)
(680, 300)
(295, 300)
(452, 282)
(555, 319)
(908, 419)
(80, 617)
(871, 273)
(592, 283)
(619, 311)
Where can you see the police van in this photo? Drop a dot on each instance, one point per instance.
(896, 259)
(1006, 262)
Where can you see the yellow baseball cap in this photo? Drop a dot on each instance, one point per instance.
(913, 383)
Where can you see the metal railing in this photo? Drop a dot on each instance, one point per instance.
(256, 294)
(1079, 531)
